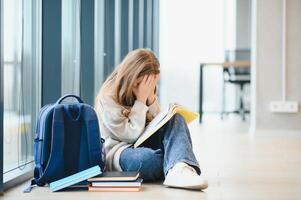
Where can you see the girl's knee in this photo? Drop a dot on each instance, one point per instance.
(151, 159)
(148, 162)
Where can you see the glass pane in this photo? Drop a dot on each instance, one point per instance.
(20, 88)
(99, 44)
(70, 46)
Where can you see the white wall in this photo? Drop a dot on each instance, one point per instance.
(266, 62)
(190, 32)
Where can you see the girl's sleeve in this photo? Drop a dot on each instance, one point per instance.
(154, 108)
(126, 129)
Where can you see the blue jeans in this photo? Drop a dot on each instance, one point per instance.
(169, 145)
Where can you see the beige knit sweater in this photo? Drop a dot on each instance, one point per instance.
(119, 131)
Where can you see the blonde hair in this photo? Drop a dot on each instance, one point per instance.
(120, 82)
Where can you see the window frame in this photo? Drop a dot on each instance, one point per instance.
(1, 100)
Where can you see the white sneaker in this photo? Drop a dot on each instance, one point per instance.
(184, 176)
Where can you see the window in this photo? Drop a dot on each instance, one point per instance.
(21, 70)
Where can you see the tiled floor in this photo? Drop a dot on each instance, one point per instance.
(237, 164)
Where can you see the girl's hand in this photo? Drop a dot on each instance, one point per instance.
(152, 96)
(144, 88)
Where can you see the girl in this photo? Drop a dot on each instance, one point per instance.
(125, 104)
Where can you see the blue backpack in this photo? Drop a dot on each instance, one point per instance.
(67, 141)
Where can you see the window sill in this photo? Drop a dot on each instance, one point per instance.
(17, 176)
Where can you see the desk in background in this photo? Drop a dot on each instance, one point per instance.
(238, 64)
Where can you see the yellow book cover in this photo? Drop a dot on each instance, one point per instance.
(162, 118)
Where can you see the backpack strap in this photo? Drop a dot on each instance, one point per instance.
(32, 184)
(93, 137)
(38, 171)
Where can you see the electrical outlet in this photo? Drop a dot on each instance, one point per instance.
(284, 106)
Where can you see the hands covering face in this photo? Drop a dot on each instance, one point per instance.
(144, 88)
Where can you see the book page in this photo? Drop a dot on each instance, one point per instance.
(159, 117)
(152, 127)
(162, 118)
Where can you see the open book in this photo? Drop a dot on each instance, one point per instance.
(163, 117)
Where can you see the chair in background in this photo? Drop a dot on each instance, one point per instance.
(237, 76)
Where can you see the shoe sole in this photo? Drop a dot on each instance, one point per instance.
(192, 187)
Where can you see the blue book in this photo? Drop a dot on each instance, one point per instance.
(75, 178)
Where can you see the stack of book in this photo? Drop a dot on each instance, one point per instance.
(116, 182)
(94, 180)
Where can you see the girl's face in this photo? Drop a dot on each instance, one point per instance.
(139, 79)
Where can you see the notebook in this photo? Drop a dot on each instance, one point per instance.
(162, 118)
(75, 178)
(81, 186)
(116, 176)
(106, 184)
